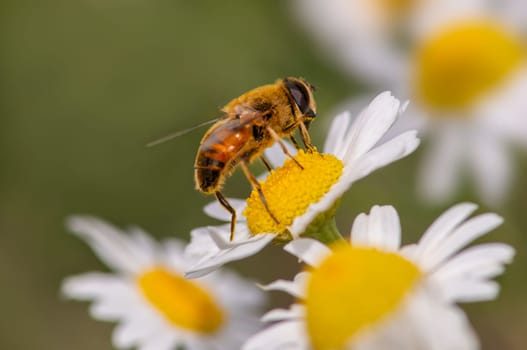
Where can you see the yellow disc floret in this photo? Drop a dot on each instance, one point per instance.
(290, 189)
(463, 63)
(182, 302)
(352, 289)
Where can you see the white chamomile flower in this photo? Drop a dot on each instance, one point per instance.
(155, 306)
(463, 64)
(470, 83)
(374, 39)
(374, 294)
(304, 200)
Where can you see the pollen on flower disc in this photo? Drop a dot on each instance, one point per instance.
(290, 189)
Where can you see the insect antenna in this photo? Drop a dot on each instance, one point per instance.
(179, 133)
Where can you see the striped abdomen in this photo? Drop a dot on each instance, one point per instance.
(219, 152)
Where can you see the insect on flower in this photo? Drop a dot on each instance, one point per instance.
(251, 123)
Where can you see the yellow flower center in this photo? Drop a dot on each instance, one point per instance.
(289, 190)
(182, 302)
(463, 63)
(352, 289)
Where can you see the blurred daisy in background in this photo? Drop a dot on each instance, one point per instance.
(375, 294)
(155, 306)
(304, 200)
(464, 65)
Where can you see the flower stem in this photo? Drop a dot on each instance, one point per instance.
(328, 233)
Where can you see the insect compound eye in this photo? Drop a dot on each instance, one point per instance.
(300, 95)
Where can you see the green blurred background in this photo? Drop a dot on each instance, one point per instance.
(87, 83)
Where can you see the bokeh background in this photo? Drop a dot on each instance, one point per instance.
(87, 83)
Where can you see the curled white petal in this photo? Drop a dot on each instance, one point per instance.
(296, 287)
(227, 253)
(296, 311)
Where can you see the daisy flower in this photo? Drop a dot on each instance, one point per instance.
(464, 65)
(154, 305)
(375, 294)
(304, 200)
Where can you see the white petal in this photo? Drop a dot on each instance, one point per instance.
(409, 251)
(111, 246)
(471, 262)
(491, 166)
(93, 285)
(289, 335)
(296, 311)
(470, 291)
(161, 340)
(221, 237)
(133, 331)
(440, 170)
(422, 322)
(296, 287)
(463, 235)
(228, 251)
(217, 211)
(445, 326)
(173, 255)
(503, 113)
(113, 298)
(370, 126)
(360, 230)
(387, 153)
(474, 266)
(308, 250)
(381, 229)
(113, 309)
(238, 330)
(336, 135)
(246, 296)
(443, 226)
(201, 244)
(211, 239)
(146, 243)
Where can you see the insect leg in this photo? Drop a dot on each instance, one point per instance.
(283, 146)
(258, 187)
(225, 203)
(305, 137)
(293, 140)
(266, 163)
